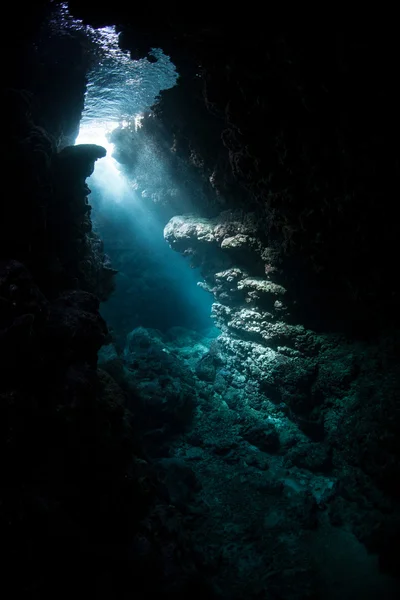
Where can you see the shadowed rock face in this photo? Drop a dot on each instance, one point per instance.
(71, 500)
(55, 409)
(80, 159)
(282, 124)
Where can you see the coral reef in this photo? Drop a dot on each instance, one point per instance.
(306, 396)
(264, 470)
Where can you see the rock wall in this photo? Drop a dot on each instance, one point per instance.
(75, 483)
(58, 426)
(295, 127)
(327, 394)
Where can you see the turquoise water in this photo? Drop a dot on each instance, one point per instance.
(155, 286)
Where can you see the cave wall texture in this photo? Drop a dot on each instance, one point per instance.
(74, 483)
(293, 134)
(308, 123)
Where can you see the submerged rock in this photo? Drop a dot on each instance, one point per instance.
(264, 436)
(206, 368)
(79, 160)
(164, 387)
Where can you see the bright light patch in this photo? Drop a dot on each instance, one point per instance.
(97, 132)
(138, 121)
(107, 177)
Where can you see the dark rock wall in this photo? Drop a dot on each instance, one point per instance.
(50, 67)
(62, 441)
(304, 123)
(46, 224)
(80, 506)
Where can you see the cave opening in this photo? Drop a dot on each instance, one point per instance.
(131, 186)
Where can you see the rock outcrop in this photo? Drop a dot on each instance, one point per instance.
(240, 272)
(312, 384)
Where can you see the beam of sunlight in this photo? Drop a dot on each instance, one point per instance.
(130, 198)
(107, 176)
(111, 187)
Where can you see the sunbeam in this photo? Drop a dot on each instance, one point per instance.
(107, 177)
(132, 190)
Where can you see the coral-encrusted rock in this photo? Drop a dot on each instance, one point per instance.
(164, 387)
(264, 436)
(206, 368)
(247, 299)
(184, 231)
(235, 241)
(263, 293)
(261, 286)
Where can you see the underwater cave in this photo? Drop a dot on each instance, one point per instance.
(199, 307)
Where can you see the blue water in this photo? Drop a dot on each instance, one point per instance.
(155, 286)
(118, 87)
